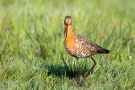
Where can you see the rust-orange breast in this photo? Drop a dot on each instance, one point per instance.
(70, 45)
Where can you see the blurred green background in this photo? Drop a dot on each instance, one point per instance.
(32, 53)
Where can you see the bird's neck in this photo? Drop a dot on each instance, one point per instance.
(68, 31)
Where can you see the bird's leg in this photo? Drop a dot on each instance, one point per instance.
(91, 70)
(86, 75)
(78, 71)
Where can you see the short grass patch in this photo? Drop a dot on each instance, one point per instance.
(32, 54)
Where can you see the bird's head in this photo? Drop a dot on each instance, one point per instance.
(68, 20)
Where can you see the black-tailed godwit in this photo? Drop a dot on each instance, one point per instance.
(80, 47)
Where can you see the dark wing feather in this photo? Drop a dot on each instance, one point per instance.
(90, 47)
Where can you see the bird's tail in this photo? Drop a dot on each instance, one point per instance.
(102, 50)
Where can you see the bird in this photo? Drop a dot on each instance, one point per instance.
(80, 47)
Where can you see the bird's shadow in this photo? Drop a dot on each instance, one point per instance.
(60, 71)
(64, 70)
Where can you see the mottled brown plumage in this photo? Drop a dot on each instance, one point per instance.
(78, 46)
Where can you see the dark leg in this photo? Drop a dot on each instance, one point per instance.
(86, 75)
(78, 82)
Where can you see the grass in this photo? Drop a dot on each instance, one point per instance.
(32, 54)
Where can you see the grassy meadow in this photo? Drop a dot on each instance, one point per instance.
(32, 53)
